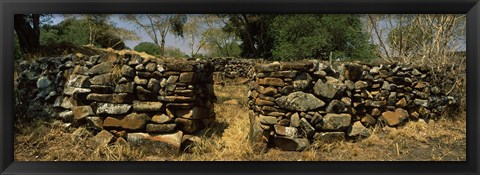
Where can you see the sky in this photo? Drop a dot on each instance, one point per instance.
(171, 40)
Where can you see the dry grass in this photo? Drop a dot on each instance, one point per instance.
(226, 140)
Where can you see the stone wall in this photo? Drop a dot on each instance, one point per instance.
(123, 97)
(295, 103)
(228, 67)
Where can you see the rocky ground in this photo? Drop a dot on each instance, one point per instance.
(226, 139)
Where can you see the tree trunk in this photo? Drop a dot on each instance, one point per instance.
(28, 35)
(162, 47)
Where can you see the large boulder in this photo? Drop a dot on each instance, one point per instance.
(299, 101)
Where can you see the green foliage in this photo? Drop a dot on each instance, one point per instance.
(85, 31)
(315, 36)
(148, 47)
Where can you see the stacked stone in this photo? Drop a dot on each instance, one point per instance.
(295, 103)
(142, 100)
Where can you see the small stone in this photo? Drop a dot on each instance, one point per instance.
(421, 102)
(95, 123)
(368, 120)
(269, 120)
(286, 131)
(306, 128)
(82, 112)
(299, 101)
(359, 85)
(172, 79)
(162, 118)
(140, 81)
(295, 120)
(402, 103)
(329, 137)
(358, 130)
(102, 68)
(128, 71)
(150, 67)
(103, 138)
(124, 88)
(186, 77)
(110, 108)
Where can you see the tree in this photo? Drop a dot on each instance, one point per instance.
(147, 47)
(157, 26)
(318, 36)
(174, 52)
(252, 29)
(27, 28)
(218, 41)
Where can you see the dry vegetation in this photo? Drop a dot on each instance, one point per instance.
(227, 139)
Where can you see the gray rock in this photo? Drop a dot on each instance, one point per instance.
(102, 68)
(286, 131)
(306, 128)
(299, 101)
(110, 108)
(290, 144)
(161, 118)
(103, 138)
(43, 82)
(336, 122)
(103, 79)
(269, 120)
(421, 102)
(124, 88)
(161, 128)
(81, 112)
(336, 106)
(95, 123)
(329, 137)
(328, 89)
(66, 115)
(128, 71)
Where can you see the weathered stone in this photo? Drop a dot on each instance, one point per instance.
(402, 103)
(270, 91)
(328, 89)
(329, 137)
(186, 92)
(128, 71)
(132, 121)
(261, 102)
(336, 106)
(368, 120)
(141, 106)
(95, 123)
(186, 77)
(124, 88)
(269, 120)
(299, 101)
(103, 138)
(103, 79)
(66, 115)
(347, 101)
(110, 108)
(80, 70)
(150, 67)
(375, 104)
(72, 90)
(358, 130)
(415, 72)
(102, 68)
(295, 120)
(359, 85)
(180, 105)
(286, 131)
(161, 144)
(271, 67)
(176, 99)
(394, 118)
(336, 122)
(189, 126)
(161, 128)
(110, 98)
(140, 67)
(68, 103)
(290, 144)
(144, 94)
(306, 128)
(161, 118)
(271, 81)
(82, 112)
(101, 89)
(140, 81)
(79, 81)
(421, 102)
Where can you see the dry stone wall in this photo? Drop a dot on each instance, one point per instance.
(229, 67)
(295, 103)
(148, 102)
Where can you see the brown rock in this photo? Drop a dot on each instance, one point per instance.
(186, 77)
(161, 118)
(103, 138)
(80, 113)
(271, 67)
(110, 98)
(286, 131)
(189, 126)
(271, 81)
(402, 103)
(231, 102)
(329, 137)
(132, 121)
(162, 144)
(395, 118)
(261, 102)
(176, 99)
(368, 120)
(141, 106)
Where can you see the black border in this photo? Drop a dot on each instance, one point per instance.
(9, 7)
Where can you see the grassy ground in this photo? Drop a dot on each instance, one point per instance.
(226, 139)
